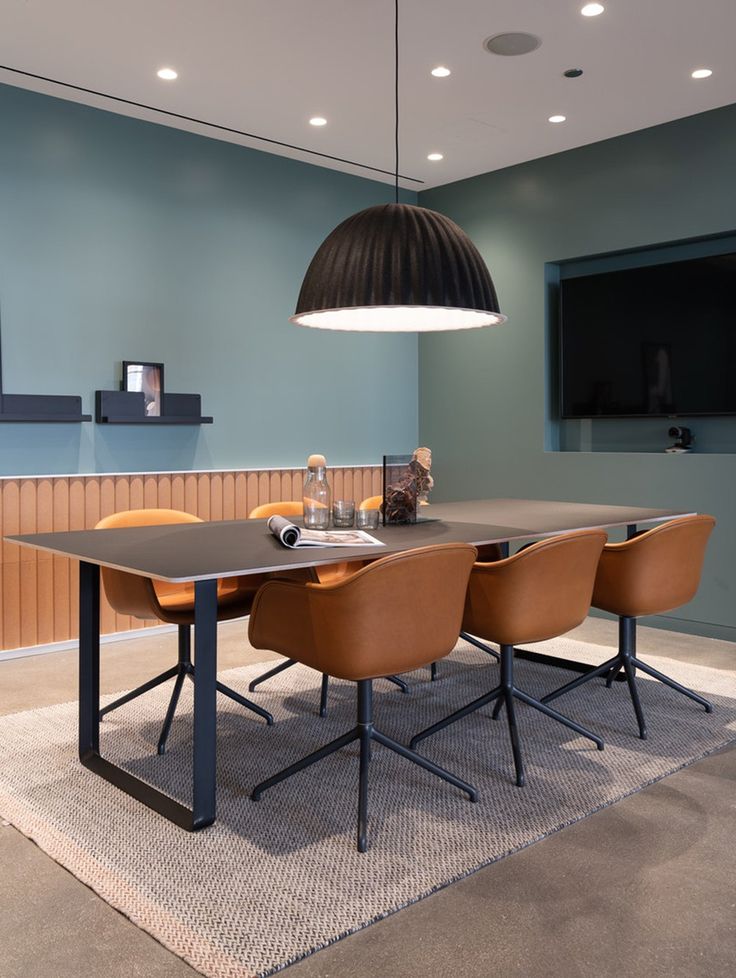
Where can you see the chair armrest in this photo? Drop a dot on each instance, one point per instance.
(280, 620)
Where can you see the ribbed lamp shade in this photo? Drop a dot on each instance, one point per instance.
(397, 268)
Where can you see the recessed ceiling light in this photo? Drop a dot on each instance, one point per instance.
(441, 72)
(168, 74)
(702, 73)
(435, 157)
(592, 9)
(557, 118)
(317, 120)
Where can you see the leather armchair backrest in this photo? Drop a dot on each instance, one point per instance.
(655, 571)
(289, 507)
(397, 614)
(542, 591)
(129, 594)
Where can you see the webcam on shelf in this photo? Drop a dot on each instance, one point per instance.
(684, 439)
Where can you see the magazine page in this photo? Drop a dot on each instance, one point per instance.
(337, 538)
(295, 536)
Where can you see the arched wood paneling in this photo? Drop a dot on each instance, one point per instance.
(38, 591)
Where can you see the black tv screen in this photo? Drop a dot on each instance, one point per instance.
(653, 341)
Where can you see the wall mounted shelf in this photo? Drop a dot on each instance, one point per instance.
(42, 408)
(128, 407)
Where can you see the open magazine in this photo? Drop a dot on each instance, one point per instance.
(296, 536)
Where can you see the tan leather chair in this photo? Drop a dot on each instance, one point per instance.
(653, 572)
(327, 574)
(541, 592)
(144, 598)
(396, 614)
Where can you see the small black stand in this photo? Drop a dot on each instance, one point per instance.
(128, 407)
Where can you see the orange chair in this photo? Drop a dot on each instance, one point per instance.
(395, 615)
(327, 574)
(653, 572)
(144, 598)
(541, 592)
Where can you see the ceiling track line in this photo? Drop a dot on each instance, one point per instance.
(204, 122)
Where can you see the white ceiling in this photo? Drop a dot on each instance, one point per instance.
(266, 66)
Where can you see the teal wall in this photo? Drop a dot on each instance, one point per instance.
(120, 239)
(484, 397)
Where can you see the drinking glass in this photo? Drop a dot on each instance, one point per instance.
(343, 513)
(367, 519)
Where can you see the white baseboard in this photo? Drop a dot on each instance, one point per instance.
(73, 643)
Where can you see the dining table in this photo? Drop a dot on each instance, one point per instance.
(204, 552)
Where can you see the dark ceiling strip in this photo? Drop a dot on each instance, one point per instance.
(203, 122)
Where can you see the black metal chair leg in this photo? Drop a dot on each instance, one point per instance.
(508, 698)
(365, 756)
(613, 675)
(548, 711)
(433, 672)
(161, 748)
(323, 695)
(306, 762)
(425, 763)
(480, 645)
(457, 715)
(140, 690)
(243, 701)
(498, 707)
(656, 674)
(286, 664)
(631, 679)
(404, 687)
(584, 678)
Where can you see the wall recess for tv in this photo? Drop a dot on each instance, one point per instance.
(40, 408)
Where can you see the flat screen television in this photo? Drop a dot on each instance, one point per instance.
(657, 341)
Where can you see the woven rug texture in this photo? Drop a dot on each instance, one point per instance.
(273, 881)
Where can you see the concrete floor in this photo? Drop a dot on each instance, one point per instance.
(644, 888)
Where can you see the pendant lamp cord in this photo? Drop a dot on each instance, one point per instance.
(396, 97)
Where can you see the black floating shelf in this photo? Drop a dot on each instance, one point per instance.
(42, 408)
(128, 407)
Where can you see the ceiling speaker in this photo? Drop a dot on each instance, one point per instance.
(511, 44)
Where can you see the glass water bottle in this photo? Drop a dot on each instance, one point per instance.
(316, 494)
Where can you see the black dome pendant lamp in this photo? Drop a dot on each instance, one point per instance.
(397, 268)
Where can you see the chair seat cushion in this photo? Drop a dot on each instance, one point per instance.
(234, 598)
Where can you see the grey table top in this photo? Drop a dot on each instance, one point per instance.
(203, 551)
(546, 516)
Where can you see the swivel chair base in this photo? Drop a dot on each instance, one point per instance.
(627, 661)
(365, 733)
(505, 693)
(184, 668)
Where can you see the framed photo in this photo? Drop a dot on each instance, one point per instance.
(149, 379)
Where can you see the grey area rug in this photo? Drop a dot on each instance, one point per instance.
(271, 882)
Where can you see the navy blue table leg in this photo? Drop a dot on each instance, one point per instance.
(205, 709)
(203, 811)
(89, 660)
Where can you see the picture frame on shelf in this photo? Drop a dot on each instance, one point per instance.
(148, 378)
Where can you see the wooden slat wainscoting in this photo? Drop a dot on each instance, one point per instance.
(38, 591)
